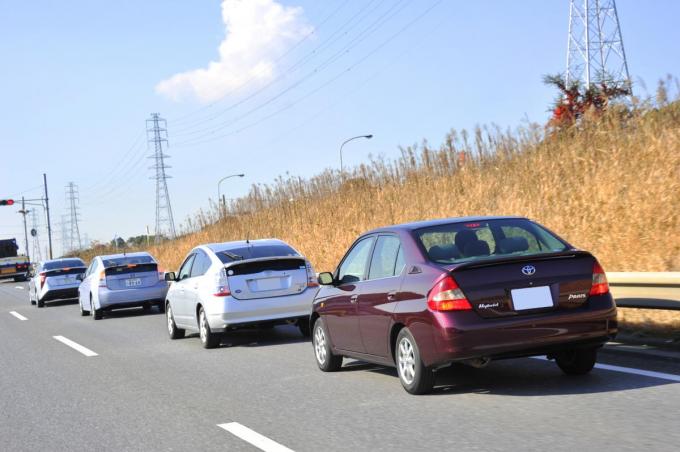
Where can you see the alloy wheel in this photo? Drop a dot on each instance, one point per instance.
(171, 322)
(203, 327)
(406, 360)
(320, 345)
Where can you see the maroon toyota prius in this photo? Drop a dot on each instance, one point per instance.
(421, 296)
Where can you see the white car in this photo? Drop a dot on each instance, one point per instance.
(225, 286)
(55, 279)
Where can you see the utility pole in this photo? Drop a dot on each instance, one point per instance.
(74, 231)
(23, 213)
(37, 254)
(157, 133)
(595, 52)
(47, 209)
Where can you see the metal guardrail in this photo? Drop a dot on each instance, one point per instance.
(647, 290)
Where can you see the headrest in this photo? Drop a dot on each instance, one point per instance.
(443, 252)
(476, 248)
(513, 244)
(463, 237)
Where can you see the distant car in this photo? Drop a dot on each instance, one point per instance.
(55, 279)
(120, 281)
(421, 296)
(224, 286)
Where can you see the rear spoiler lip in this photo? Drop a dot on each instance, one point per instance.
(60, 269)
(263, 259)
(516, 259)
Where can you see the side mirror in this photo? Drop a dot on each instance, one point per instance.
(326, 279)
(170, 276)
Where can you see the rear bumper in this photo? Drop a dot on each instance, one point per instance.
(464, 335)
(60, 294)
(112, 299)
(227, 312)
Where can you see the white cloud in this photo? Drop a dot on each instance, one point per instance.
(257, 31)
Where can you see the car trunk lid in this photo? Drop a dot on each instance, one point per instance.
(267, 277)
(524, 285)
(131, 276)
(64, 276)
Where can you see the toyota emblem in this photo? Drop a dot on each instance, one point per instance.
(528, 270)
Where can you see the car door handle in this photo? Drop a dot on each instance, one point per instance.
(353, 298)
(391, 296)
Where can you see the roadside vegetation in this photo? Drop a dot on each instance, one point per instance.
(608, 182)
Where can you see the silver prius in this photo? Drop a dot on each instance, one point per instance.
(121, 281)
(225, 286)
(55, 279)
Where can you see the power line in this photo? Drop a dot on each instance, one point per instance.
(319, 88)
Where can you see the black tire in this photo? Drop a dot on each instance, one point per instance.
(161, 307)
(303, 325)
(30, 298)
(20, 279)
(83, 312)
(40, 303)
(415, 377)
(577, 362)
(146, 307)
(325, 359)
(173, 331)
(208, 338)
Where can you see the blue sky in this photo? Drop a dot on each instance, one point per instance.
(79, 78)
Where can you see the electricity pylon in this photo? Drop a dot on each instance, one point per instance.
(157, 133)
(595, 52)
(72, 198)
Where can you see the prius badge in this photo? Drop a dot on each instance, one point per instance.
(528, 270)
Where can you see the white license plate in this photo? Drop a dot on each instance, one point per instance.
(68, 280)
(531, 298)
(268, 284)
(133, 282)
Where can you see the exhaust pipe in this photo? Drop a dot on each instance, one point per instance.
(478, 363)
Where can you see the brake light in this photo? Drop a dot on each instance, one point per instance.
(221, 284)
(447, 296)
(311, 275)
(43, 276)
(600, 285)
(102, 278)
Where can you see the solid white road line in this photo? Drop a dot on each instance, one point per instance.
(17, 315)
(19, 287)
(84, 350)
(254, 438)
(630, 370)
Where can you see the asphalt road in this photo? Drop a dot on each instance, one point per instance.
(144, 392)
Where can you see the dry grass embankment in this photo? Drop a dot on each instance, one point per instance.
(611, 186)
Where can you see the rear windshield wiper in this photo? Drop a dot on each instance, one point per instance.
(232, 256)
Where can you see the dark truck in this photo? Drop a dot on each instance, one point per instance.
(12, 265)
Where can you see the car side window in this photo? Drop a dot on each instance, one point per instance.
(384, 257)
(353, 267)
(185, 269)
(201, 264)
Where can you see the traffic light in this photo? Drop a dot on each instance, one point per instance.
(6, 202)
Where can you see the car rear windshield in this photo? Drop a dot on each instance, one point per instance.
(66, 263)
(128, 260)
(255, 252)
(477, 240)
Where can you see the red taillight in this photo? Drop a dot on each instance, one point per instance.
(42, 279)
(102, 278)
(311, 276)
(600, 285)
(221, 284)
(447, 296)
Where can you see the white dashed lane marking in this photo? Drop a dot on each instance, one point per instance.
(17, 315)
(254, 438)
(631, 370)
(74, 345)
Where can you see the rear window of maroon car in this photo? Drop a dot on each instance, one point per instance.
(466, 242)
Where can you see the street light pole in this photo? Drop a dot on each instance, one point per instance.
(47, 208)
(220, 200)
(368, 137)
